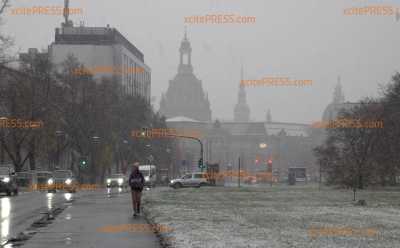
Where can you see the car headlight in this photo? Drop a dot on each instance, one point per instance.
(146, 178)
(108, 181)
(50, 181)
(120, 180)
(172, 181)
(6, 179)
(68, 181)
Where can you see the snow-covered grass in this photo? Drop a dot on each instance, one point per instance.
(281, 216)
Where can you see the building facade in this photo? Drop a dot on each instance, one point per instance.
(105, 52)
(224, 142)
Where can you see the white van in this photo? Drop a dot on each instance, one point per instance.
(149, 174)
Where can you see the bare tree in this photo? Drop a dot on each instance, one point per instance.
(5, 41)
(350, 148)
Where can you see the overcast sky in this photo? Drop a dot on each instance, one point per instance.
(300, 39)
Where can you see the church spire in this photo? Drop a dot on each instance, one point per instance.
(241, 72)
(268, 117)
(67, 23)
(338, 95)
(242, 110)
(185, 52)
(185, 38)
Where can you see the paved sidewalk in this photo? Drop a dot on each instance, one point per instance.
(77, 225)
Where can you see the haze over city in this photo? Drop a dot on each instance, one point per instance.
(301, 40)
(199, 123)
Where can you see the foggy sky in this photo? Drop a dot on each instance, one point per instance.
(300, 39)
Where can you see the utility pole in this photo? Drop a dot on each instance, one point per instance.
(320, 177)
(239, 173)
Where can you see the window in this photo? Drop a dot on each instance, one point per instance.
(199, 175)
(136, 79)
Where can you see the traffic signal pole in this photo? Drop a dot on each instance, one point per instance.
(201, 165)
(239, 173)
(201, 147)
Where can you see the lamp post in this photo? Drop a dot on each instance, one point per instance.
(168, 150)
(2, 137)
(93, 176)
(125, 156)
(265, 146)
(59, 134)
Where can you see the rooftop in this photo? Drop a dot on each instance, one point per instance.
(95, 36)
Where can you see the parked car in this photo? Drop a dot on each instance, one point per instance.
(62, 180)
(117, 180)
(190, 180)
(8, 181)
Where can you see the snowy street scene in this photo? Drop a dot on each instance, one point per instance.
(199, 124)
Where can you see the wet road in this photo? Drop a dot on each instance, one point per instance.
(19, 212)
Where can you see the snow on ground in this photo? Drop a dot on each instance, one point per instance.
(281, 216)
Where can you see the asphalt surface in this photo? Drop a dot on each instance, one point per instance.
(94, 219)
(19, 212)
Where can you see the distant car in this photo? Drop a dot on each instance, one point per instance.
(63, 180)
(149, 173)
(250, 180)
(8, 181)
(190, 180)
(117, 180)
(42, 179)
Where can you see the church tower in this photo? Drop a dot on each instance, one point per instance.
(242, 110)
(338, 95)
(185, 96)
(268, 117)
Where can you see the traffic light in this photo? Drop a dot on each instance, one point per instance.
(144, 132)
(83, 162)
(269, 165)
(201, 163)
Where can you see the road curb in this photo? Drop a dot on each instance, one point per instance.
(165, 242)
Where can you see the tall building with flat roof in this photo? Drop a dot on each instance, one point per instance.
(104, 52)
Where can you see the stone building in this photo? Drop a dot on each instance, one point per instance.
(185, 95)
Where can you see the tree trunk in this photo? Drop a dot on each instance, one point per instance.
(360, 181)
(32, 151)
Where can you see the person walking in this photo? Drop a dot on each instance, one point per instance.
(136, 181)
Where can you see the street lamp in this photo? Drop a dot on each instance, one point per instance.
(96, 139)
(269, 161)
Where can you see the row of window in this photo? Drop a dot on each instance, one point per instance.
(137, 82)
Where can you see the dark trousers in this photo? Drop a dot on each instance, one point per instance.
(136, 198)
